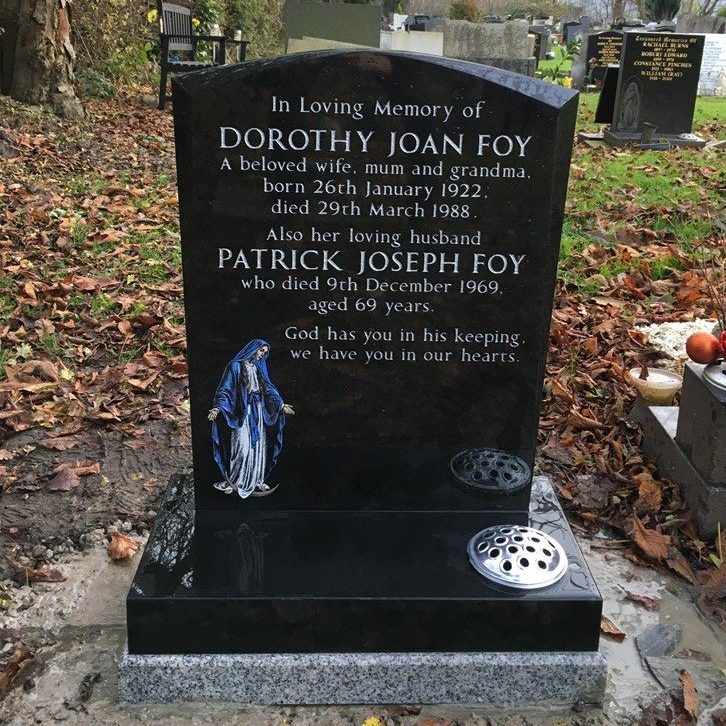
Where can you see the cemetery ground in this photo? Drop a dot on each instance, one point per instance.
(94, 414)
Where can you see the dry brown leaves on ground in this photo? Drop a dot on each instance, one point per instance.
(20, 659)
(122, 547)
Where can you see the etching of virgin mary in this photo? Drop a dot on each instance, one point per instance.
(248, 419)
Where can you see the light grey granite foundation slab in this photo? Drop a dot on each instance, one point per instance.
(358, 678)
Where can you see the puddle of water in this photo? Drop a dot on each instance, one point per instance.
(629, 680)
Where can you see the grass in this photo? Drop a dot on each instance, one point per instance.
(663, 267)
(638, 197)
(4, 358)
(546, 65)
(7, 305)
(101, 305)
(50, 343)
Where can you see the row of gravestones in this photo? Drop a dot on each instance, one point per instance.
(649, 85)
(602, 49)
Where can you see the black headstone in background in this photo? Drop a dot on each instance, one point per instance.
(396, 246)
(658, 81)
(537, 45)
(606, 100)
(542, 41)
(570, 31)
(605, 49)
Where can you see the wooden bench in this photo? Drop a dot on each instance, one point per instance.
(177, 36)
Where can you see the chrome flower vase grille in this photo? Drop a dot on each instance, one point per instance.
(490, 470)
(715, 374)
(517, 556)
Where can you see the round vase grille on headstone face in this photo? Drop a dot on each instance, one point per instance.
(517, 556)
(490, 470)
(716, 375)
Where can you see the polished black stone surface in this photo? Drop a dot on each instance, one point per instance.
(604, 48)
(270, 581)
(361, 546)
(606, 99)
(375, 436)
(658, 81)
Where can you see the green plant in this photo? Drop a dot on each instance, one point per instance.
(4, 358)
(465, 10)
(114, 42)
(137, 308)
(101, 305)
(131, 63)
(664, 266)
(558, 72)
(260, 22)
(7, 305)
(50, 343)
(92, 82)
(79, 234)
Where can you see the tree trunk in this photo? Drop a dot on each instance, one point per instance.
(43, 64)
(618, 9)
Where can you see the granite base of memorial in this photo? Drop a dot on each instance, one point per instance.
(624, 138)
(688, 443)
(362, 607)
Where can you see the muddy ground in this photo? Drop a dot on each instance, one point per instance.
(36, 524)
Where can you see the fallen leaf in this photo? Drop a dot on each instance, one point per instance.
(42, 574)
(690, 654)
(651, 543)
(84, 283)
(81, 467)
(650, 494)
(649, 603)
(6, 455)
(64, 481)
(20, 659)
(43, 369)
(691, 701)
(679, 564)
(29, 290)
(122, 547)
(61, 443)
(715, 586)
(608, 627)
(146, 320)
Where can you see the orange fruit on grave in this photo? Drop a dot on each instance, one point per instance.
(703, 348)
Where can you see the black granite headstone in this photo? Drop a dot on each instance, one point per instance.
(604, 49)
(537, 45)
(570, 31)
(658, 81)
(369, 244)
(373, 235)
(606, 100)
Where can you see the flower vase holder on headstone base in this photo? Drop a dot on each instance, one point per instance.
(688, 443)
(323, 206)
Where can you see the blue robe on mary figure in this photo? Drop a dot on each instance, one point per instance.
(247, 433)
